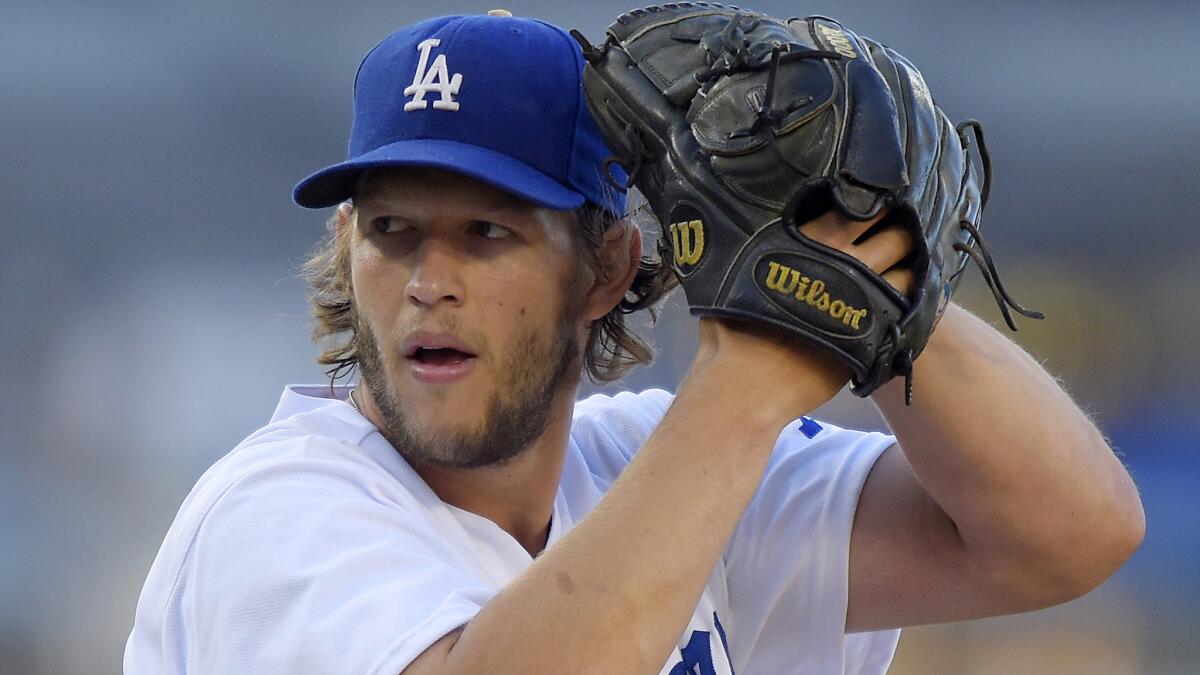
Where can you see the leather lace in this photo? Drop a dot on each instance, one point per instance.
(981, 257)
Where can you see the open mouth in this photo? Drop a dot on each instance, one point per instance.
(439, 356)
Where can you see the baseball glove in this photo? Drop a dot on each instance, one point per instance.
(738, 128)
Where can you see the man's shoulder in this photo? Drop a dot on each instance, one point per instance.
(315, 499)
(649, 403)
(320, 433)
(319, 449)
(607, 430)
(621, 419)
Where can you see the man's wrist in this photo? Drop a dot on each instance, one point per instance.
(763, 370)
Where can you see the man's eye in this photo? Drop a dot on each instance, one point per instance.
(389, 225)
(491, 230)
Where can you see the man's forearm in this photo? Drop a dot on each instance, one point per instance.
(1031, 485)
(615, 594)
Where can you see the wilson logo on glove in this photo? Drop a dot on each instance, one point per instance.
(687, 241)
(792, 283)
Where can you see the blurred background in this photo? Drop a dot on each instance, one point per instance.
(151, 311)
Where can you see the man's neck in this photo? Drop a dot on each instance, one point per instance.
(518, 495)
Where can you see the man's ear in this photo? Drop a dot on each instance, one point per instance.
(343, 218)
(620, 254)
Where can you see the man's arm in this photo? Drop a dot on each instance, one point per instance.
(1001, 497)
(615, 593)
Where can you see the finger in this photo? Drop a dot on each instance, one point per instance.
(836, 230)
(885, 248)
(901, 279)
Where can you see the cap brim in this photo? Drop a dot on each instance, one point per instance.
(335, 184)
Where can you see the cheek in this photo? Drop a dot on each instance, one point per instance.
(364, 266)
(378, 287)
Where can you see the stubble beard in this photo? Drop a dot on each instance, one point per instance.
(540, 365)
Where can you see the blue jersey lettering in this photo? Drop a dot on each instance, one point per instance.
(697, 655)
(809, 427)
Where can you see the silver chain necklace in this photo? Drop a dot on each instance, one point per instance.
(353, 403)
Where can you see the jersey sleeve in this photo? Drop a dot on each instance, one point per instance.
(309, 567)
(787, 564)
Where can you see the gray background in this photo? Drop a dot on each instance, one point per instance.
(151, 312)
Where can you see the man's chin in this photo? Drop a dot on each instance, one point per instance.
(467, 450)
(445, 409)
(434, 425)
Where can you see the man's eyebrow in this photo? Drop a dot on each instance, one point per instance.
(504, 208)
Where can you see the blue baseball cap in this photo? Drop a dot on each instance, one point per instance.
(496, 98)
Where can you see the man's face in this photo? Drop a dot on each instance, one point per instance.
(468, 311)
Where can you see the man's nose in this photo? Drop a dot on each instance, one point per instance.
(436, 274)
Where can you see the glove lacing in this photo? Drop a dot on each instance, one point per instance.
(903, 362)
(770, 117)
(981, 258)
(737, 55)
(640, 155)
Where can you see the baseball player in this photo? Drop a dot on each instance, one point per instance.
(457, 511)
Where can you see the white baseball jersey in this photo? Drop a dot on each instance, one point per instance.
(314, 547)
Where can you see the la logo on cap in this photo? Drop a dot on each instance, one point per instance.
(432, 78)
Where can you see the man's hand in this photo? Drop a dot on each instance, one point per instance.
(761, 356)
(885, 250)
